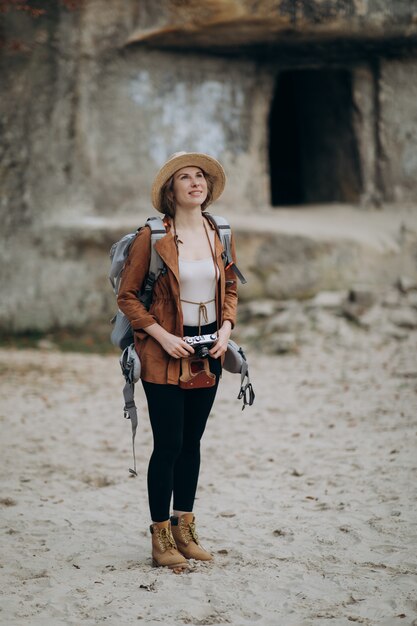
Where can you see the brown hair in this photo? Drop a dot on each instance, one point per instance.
(167, 194)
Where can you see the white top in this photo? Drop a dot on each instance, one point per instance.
(198, 285)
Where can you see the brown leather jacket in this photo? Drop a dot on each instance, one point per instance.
(157, 366)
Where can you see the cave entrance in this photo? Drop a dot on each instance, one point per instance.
(313, 152)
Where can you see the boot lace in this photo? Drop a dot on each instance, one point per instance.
(166, 539)
(190, 533)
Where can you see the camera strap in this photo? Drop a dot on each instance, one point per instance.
(216, 269)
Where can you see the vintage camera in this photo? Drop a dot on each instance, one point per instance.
(201, 344)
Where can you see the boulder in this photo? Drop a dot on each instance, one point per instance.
(392, 298)
(324, 322)
(330, 300)
(406, 284)
(404, 318)
(259, 309)
(362, 295)
(412, 299)
(288, 321)
(394, 332)
(373, 319)
(281, 343)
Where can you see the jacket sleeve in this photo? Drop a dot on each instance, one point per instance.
(134, 273)
(230, 298)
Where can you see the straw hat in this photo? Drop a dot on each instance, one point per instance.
(179, 160)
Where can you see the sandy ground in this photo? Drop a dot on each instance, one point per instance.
(307, 500)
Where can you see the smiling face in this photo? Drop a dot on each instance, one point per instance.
(189, 187)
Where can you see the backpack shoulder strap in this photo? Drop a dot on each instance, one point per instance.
(156, 264)
(224, 231)
(158, 231)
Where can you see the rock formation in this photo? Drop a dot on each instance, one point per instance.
(303, 102)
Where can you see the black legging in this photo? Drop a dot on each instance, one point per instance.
(178, 419)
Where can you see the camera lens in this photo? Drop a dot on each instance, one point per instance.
(203, 352)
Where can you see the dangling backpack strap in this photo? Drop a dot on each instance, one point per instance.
(156, 264)
(224, 231)
(130, 366)
(130, 412)
(236, 363)
(246, 393)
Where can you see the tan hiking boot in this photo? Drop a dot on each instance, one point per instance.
(164, 549)
(186, 538)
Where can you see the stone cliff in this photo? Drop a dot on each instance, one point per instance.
(303, 102)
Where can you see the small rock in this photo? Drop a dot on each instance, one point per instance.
(150, 587)
(345, 529)
(7, 502)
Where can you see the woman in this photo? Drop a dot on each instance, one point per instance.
(195, 296)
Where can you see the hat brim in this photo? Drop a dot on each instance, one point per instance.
(190, 159)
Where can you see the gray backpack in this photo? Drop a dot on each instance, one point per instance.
(122, 333)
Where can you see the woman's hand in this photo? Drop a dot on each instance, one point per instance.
(220, 346)
(175, 346)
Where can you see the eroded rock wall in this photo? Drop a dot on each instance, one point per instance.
(87, 119)
(223, 24)
(398, 130)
